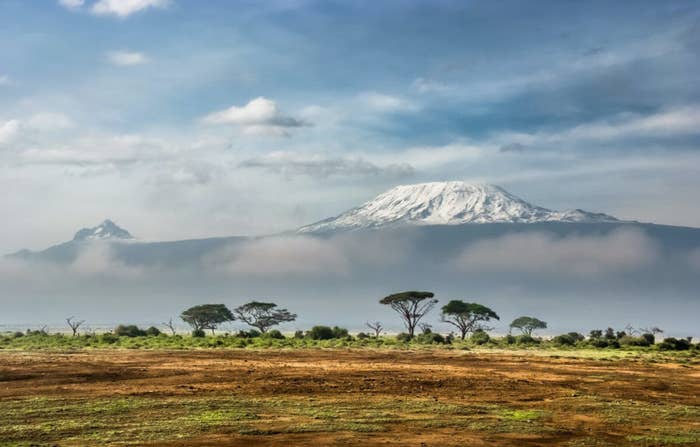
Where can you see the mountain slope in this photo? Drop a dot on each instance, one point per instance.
(447, 203)
(106, 230)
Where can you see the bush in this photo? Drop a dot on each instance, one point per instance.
(629, 340)
(598, 342)
(362, 336)
(509, 339)
(650, 338)
(569, 339)
(108, 338)
(252, 333)
(403, 337)
(153, 331)
(674, 344)
(339, 332)
(198, 333)
(129, 330)
(18, 334)
(526, 340)
(430, 338)
(480, 338)
(299, 334)
(320, 333)
(274, 333)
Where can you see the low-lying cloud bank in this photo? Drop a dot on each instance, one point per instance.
(622, 250)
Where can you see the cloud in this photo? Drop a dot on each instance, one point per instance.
(295, 256)
(387, 103)
(9, 131)
(127, 58)
(124, 8)
(322, 166)
(71, 4)
(50, 121)
(4, 80)
(546, 254)
(422, 85)
(97, 259)
(98, 150)
(260, 116)
(511, 147)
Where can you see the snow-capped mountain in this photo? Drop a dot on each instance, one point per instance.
(447, 203)
(106, 230)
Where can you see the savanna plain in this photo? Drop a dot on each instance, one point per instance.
(333, 395)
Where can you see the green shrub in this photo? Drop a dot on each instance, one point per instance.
(362, 336)
(153, 331)
(526, 340)
(108, 338)
(430, 338)
(629, 340)
(569, 339)
(129, 330)
(339, 332)
(299, 334)
(403, 337)
(198, 333)
(320, 333)
(252, 333)
(480, 338)
(674, 344)
(275, 334)
(509, 339)
(650, 338)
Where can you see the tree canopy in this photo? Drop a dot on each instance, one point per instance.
(467, 317)
(528, 324)
(207, 316)
(411, 306)
(263, 315)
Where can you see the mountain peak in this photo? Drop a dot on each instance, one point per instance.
(447, 203)
(106, 230)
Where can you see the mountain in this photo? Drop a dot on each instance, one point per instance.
(448, 203)
(106, 230)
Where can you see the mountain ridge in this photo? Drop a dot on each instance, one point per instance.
(447, 203)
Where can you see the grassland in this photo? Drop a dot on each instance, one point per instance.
(404, 395)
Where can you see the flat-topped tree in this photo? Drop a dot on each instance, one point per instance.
(528, 324)
(263, 315)
(467, 317)
(207, 316)
(411, 306)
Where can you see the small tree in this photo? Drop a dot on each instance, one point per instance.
(376, 326)
(170, 325)
(528, 324)
(206, 316)
(74, 324)
(263, 315)
(467, 317)
(411, 306)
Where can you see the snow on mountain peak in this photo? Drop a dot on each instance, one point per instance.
(106, 230)
(447, 203)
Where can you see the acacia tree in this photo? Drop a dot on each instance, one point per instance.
(74, 324)
(263, 315)
(207, 316)
(170, 325)
(411, 307)
(528, 324)
(467, 317)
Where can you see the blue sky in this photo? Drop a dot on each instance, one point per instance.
(181, 118)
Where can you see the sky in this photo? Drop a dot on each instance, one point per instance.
(186, 119)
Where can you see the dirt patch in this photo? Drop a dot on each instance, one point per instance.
(342, 397)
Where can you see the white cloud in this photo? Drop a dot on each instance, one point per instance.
(8, 131)
(322, 166)
(50, 121)
(260, 116)
(547, 254)
(127, 58)
(387, 103)
(296, 256)
(71, 4)
(124, 8)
